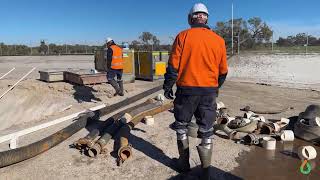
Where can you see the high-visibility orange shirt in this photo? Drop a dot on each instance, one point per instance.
(199, 56)
(117, 59)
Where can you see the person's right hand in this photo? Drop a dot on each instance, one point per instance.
(168, 94)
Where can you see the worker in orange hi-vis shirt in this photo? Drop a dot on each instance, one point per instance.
(114, 62)
(198, 66)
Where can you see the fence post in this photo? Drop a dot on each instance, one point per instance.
(239, 43)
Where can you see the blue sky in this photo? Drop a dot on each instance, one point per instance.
(91, 21)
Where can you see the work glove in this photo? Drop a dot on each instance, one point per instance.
(168, 93)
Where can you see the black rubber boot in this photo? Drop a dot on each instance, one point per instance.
(114, 84)
(120, 88)
(205, 155)
(183, 161)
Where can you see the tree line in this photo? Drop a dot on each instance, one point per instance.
(299, 40)
(247, 34)
(46, 49)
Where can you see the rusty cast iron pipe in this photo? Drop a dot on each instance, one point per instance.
(265, 128)
(26, 152)
(86, 141)
(127, 101)
(89, 140)
(110, 131)
(254, 138)
(99, 146)
(125, 151)
(16, 155)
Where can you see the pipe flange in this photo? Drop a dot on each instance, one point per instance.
(95, 150)
(125, 152)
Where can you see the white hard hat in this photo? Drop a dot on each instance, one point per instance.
(109, 40)
(198, 7)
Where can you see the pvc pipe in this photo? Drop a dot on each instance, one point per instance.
(257, 118)
(254, 138)
(160, 97)
(307, 152)
(17, 82)
(7, 73)
(220, 105)
(149, 120)
(247, 120)
(269, 143)
(262, 119)
(285, 120)
(248, 114)
(276, 127)
(287, 135)
(315, 121)
(265, 128)
(225, 120)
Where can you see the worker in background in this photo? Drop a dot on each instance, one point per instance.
(198, 66)
(114, 59)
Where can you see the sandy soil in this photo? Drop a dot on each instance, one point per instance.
(154, 146)
(23, 64)
(297, 71)
(33, 102)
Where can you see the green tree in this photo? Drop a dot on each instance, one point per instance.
(259, 30)
(149, 41)
(146, 37)
(248, 33)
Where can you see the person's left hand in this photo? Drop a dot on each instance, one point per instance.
(169, 94)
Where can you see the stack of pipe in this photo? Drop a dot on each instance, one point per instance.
(125, 150)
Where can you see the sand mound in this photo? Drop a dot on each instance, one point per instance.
(298, 71)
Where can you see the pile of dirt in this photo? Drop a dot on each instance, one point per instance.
(295, 71)
(32, 101)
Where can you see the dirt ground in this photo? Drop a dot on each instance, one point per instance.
(154, 147)
(288, 70)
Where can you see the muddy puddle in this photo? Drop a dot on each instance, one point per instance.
(282, 163)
